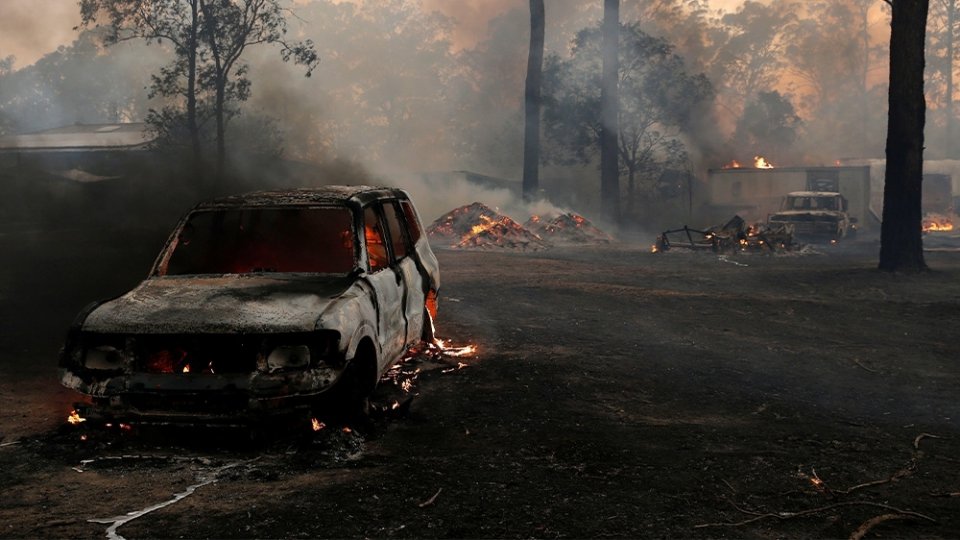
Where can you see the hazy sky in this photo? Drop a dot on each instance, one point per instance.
(31, 28)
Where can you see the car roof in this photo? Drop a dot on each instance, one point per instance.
(306, 197)
(812, 194)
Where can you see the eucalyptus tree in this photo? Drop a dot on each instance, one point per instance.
(901, 242)
(659, 101)
(208, 39)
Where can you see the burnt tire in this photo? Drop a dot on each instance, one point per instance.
(349, 400)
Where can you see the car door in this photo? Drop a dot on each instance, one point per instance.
(387, 283)
(401, 245)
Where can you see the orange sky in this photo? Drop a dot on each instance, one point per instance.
(31, 28)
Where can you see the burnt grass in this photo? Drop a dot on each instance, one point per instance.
(616, 393)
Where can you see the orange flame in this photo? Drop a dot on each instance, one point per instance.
(316, 424)
(937, 223)
(761, 163)
(734, 164)
(75, 418)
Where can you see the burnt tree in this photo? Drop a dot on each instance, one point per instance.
(901, 243)
(532, 102)
(609, 112)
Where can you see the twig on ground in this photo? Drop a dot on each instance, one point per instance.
(865, 527)
(783, 516)
(732, 489)
(431, 500)
(920, 437)
(859, 363)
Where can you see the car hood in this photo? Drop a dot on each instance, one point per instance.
(220, 304)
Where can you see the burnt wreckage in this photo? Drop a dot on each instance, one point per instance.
(262, 304)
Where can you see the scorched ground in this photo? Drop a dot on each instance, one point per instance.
(616, 393)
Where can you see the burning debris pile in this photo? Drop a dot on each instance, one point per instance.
(476, 226)
(933, 222)
(731, 237)
(569, 228)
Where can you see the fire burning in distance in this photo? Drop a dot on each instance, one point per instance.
(759, 162)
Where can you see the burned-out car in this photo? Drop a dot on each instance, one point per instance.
(270, 302)
(815, 215)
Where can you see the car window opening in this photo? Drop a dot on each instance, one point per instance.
(252, 240)
(376, 243)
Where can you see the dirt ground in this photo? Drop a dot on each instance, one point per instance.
(616, 393)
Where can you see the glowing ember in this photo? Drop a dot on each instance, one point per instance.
(125, 427)
(83, 437)
(346, 429)
(316, 424)
(937, 223)
(75, 418)
(760, 162)
(186, 368)
(457, 352)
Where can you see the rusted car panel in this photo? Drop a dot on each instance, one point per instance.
(259, 304)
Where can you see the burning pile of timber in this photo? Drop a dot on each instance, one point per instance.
(733, 236)
(569, 228)
(476, 226)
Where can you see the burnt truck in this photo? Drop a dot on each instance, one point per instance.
(261, 304)
(815, 216)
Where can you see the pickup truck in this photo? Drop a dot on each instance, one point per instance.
(815, 215)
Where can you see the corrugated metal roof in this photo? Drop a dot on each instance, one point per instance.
(81, 137)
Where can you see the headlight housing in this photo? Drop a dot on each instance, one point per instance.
(288, 357)
(104, 357)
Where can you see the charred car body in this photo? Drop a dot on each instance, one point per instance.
(260, 304)
(815, 215)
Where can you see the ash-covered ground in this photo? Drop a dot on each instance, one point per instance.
(616, 393)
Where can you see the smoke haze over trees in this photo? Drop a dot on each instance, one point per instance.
(410, 85)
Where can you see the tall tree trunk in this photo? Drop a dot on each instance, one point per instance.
(951, 147)
(865, 70)
(610, 110)
(532, 101)
(901, 243)
(192, 125)
(221, 131)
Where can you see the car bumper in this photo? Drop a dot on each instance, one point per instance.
(202, 398)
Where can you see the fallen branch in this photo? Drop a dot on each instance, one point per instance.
(783, 516)
(920, 437)
(865, 527)
(431, 500)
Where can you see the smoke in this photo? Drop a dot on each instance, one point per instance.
(29, 29)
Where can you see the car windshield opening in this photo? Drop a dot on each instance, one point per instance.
(251, 240)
